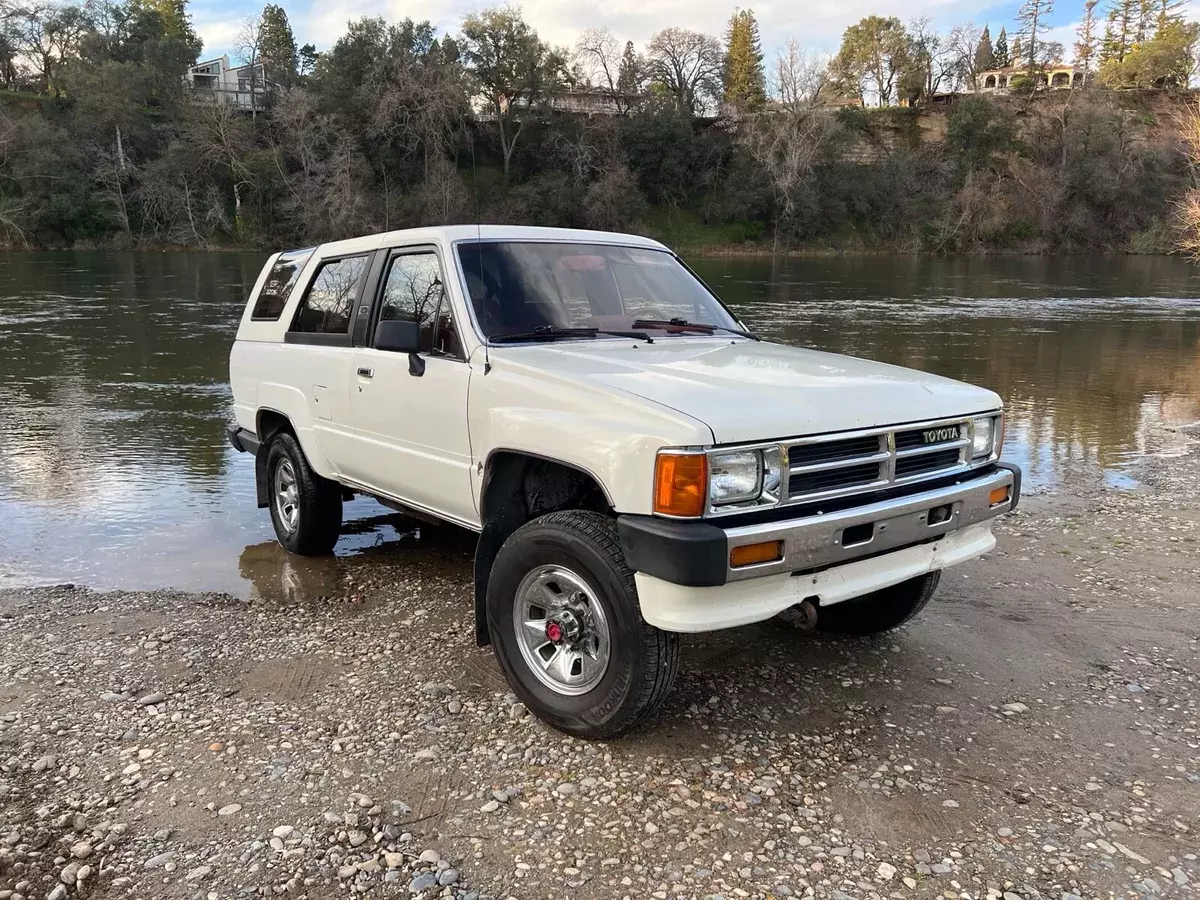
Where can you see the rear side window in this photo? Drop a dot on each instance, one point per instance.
(273, 297)
(329, 301)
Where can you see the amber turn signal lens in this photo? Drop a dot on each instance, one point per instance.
(680, 484)
(752, 554)
(998, 495)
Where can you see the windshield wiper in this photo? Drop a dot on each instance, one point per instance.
(684, 324)
(553, 332)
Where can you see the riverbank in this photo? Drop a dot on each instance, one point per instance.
(1032, 734)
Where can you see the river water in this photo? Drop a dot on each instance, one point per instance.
(115, 471)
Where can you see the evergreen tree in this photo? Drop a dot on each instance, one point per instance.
(1147, 14)
(1169, 11)
(1016, 52)
(176, 24)
(985, 57)
(1000, 54)
(1087, 43)
(1119, 30)
(1033, 16)
(630, 77)
(277, 46)
(743, 77)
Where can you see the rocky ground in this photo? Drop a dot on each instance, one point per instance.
(1035, 734)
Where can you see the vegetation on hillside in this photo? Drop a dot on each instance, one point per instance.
(702, 141)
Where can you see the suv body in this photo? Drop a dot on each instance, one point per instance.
(636, 464)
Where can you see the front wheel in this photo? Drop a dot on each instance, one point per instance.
(568, 632)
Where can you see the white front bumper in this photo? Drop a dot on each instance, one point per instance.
(673, 607)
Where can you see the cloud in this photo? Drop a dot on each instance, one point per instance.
(817, 24)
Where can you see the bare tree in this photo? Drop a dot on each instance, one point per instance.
(789, 140)
(598, 54)
(798, 78)
(248, 47)
(221, 138)
(418, 106)
(11, 210)
(442, 196)
(931, 61)
(688, 64)
(962, 46)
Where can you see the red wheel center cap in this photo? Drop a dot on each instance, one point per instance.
(554, 631)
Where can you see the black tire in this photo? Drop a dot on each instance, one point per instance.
(318, 501)
(881, 611)
(642, 661)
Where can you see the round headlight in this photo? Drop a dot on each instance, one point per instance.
(985, 437)
(734, 477)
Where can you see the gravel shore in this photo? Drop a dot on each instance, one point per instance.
(1034, 734)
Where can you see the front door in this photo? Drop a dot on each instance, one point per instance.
(408, 412)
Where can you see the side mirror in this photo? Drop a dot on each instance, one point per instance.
(398, 337)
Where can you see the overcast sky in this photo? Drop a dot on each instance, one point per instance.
(817, 24)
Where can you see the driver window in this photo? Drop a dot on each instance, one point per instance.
(412, 293)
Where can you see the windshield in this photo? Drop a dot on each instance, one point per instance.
(519, 288)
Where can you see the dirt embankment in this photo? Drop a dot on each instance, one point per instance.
(1034, 734)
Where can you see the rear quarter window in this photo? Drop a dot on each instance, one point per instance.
(284, 274)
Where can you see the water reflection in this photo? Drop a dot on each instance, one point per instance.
(114, 470)
(1092, 355)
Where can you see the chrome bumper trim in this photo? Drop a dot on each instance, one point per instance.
(816, 542)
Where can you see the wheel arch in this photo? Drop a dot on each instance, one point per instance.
(519, 486)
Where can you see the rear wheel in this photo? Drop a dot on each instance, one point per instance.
(306, 509)
(881, 611)
(568, 631)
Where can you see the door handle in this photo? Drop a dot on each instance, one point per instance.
(365, 372)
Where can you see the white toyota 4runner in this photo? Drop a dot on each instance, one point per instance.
(637, 464)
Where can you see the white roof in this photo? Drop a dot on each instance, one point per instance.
(450, 233)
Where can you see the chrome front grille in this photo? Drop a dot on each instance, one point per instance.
(837, 465)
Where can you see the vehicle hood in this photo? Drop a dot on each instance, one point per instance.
(753, 391)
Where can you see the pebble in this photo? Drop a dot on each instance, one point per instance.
(430, 857)
(886, 871)
(198, 874)
(229, 809)
(950, 804)
(490, 807)
(41, 764)
(566, 789)
(422, 883)
(81, 850)
(152, 699)
(447, 877)
(157, 862)
(283, 832)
